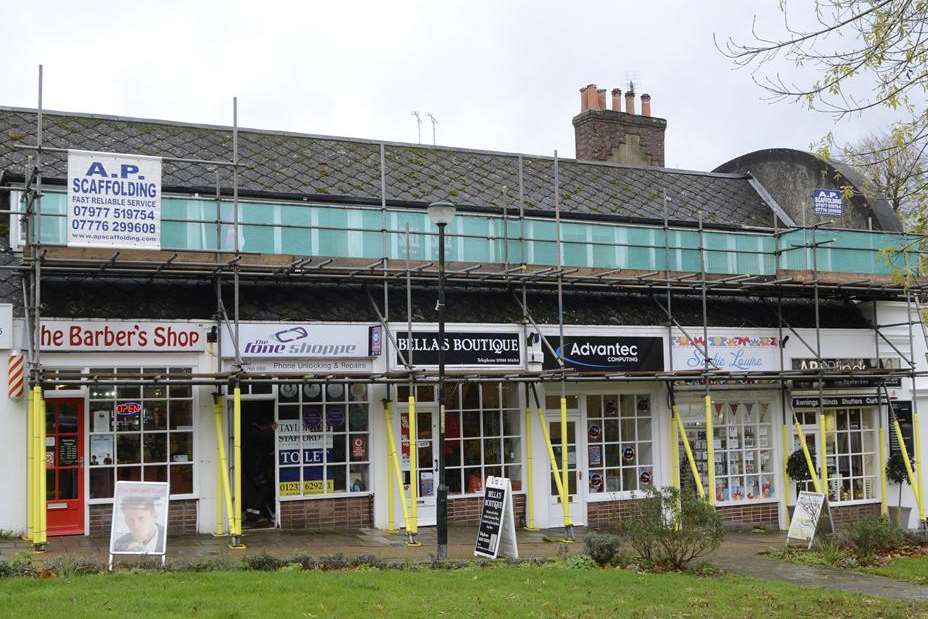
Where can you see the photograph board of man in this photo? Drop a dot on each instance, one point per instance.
(140, 518)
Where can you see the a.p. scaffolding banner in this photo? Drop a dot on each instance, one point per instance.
(114, 200)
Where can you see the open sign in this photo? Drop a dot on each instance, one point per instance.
(125, 409)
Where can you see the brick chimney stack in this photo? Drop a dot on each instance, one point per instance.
(602, 134)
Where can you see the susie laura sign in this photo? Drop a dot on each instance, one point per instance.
(745, 352)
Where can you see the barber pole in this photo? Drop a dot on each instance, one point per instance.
(16, 376)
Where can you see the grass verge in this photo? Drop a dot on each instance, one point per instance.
(520, 591)
(909, 569)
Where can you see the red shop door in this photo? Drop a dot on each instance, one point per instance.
(64, 465)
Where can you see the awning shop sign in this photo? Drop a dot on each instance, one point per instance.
(114, 200)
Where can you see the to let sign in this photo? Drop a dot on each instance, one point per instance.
(114, 200)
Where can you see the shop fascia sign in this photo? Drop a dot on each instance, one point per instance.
(305, 341)
(617, 353)
(738, 352)
(847, 364)
(116, 336)
(462, 348)
(837, 401)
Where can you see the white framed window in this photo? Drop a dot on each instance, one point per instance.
(483, 436)
(743, 448)
(141, 433)
(620, 453)
(322, 439)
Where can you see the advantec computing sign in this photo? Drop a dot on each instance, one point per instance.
(461, 348)
(115, 336)
(114, 200)
(304, 341)
(608, 354)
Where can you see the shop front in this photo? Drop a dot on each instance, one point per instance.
(307, 446)
(103, 433)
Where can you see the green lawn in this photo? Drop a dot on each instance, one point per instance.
(911, 569)
(473, 591)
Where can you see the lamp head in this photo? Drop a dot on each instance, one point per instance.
(441, 213)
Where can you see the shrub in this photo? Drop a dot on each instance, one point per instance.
(580, 562)
(870, 537)
(604, 548)
(672, 529)
(263, 562)
(796, 466)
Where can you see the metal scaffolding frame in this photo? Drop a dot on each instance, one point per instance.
(223, 268)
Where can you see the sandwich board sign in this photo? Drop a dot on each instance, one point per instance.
(497, 533)
(140, 519)
(805, 518)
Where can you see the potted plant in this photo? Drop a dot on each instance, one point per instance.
(897, 473)
(797, 469)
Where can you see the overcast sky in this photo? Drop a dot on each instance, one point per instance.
(497, 75)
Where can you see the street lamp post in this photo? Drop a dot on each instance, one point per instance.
(441, 214)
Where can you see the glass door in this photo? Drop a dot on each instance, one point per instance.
(64, 465)
(575, 467)
(427, 461)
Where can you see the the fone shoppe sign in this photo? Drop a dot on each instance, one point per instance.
(294, 340)
(608, 354)
(114, 200)
(461, 348)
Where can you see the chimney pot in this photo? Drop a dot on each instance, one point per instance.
(588, 97)
(601, 99)
(629, 102)
(616, 99)
(645, 105)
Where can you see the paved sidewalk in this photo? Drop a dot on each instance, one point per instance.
(740, 555)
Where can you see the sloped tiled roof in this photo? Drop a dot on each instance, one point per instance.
(317, 166)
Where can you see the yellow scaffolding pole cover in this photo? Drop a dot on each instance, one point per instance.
(555, 470)
(710, 448)
(223, 489)
(884, 509)
(412, 524)
(919, 467)
(41, 532)
(394, 461)
(913, 481)
(824, 462)
(30, 467)
(529, 471)
(689, 453)
(237, 460)
(565, 480)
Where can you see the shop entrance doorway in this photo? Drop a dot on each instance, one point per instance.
(258, 496)
(576, 447)
(64, 465)
(427, 464)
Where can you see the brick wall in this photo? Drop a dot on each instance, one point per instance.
(467, 510)
(606, 135)
(759, 513)
(182, 518)
(335, 513)
(844, 515)
(606, 514)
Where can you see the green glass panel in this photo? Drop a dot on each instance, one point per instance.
(475, 246)
(543, 246)
(333, 233)
(295, 235)
(575, 245)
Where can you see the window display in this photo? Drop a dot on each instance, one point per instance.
(851, 439)
(483, 425)
(743, 447)
(141, 433)
(619, 450)
(322, 434)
